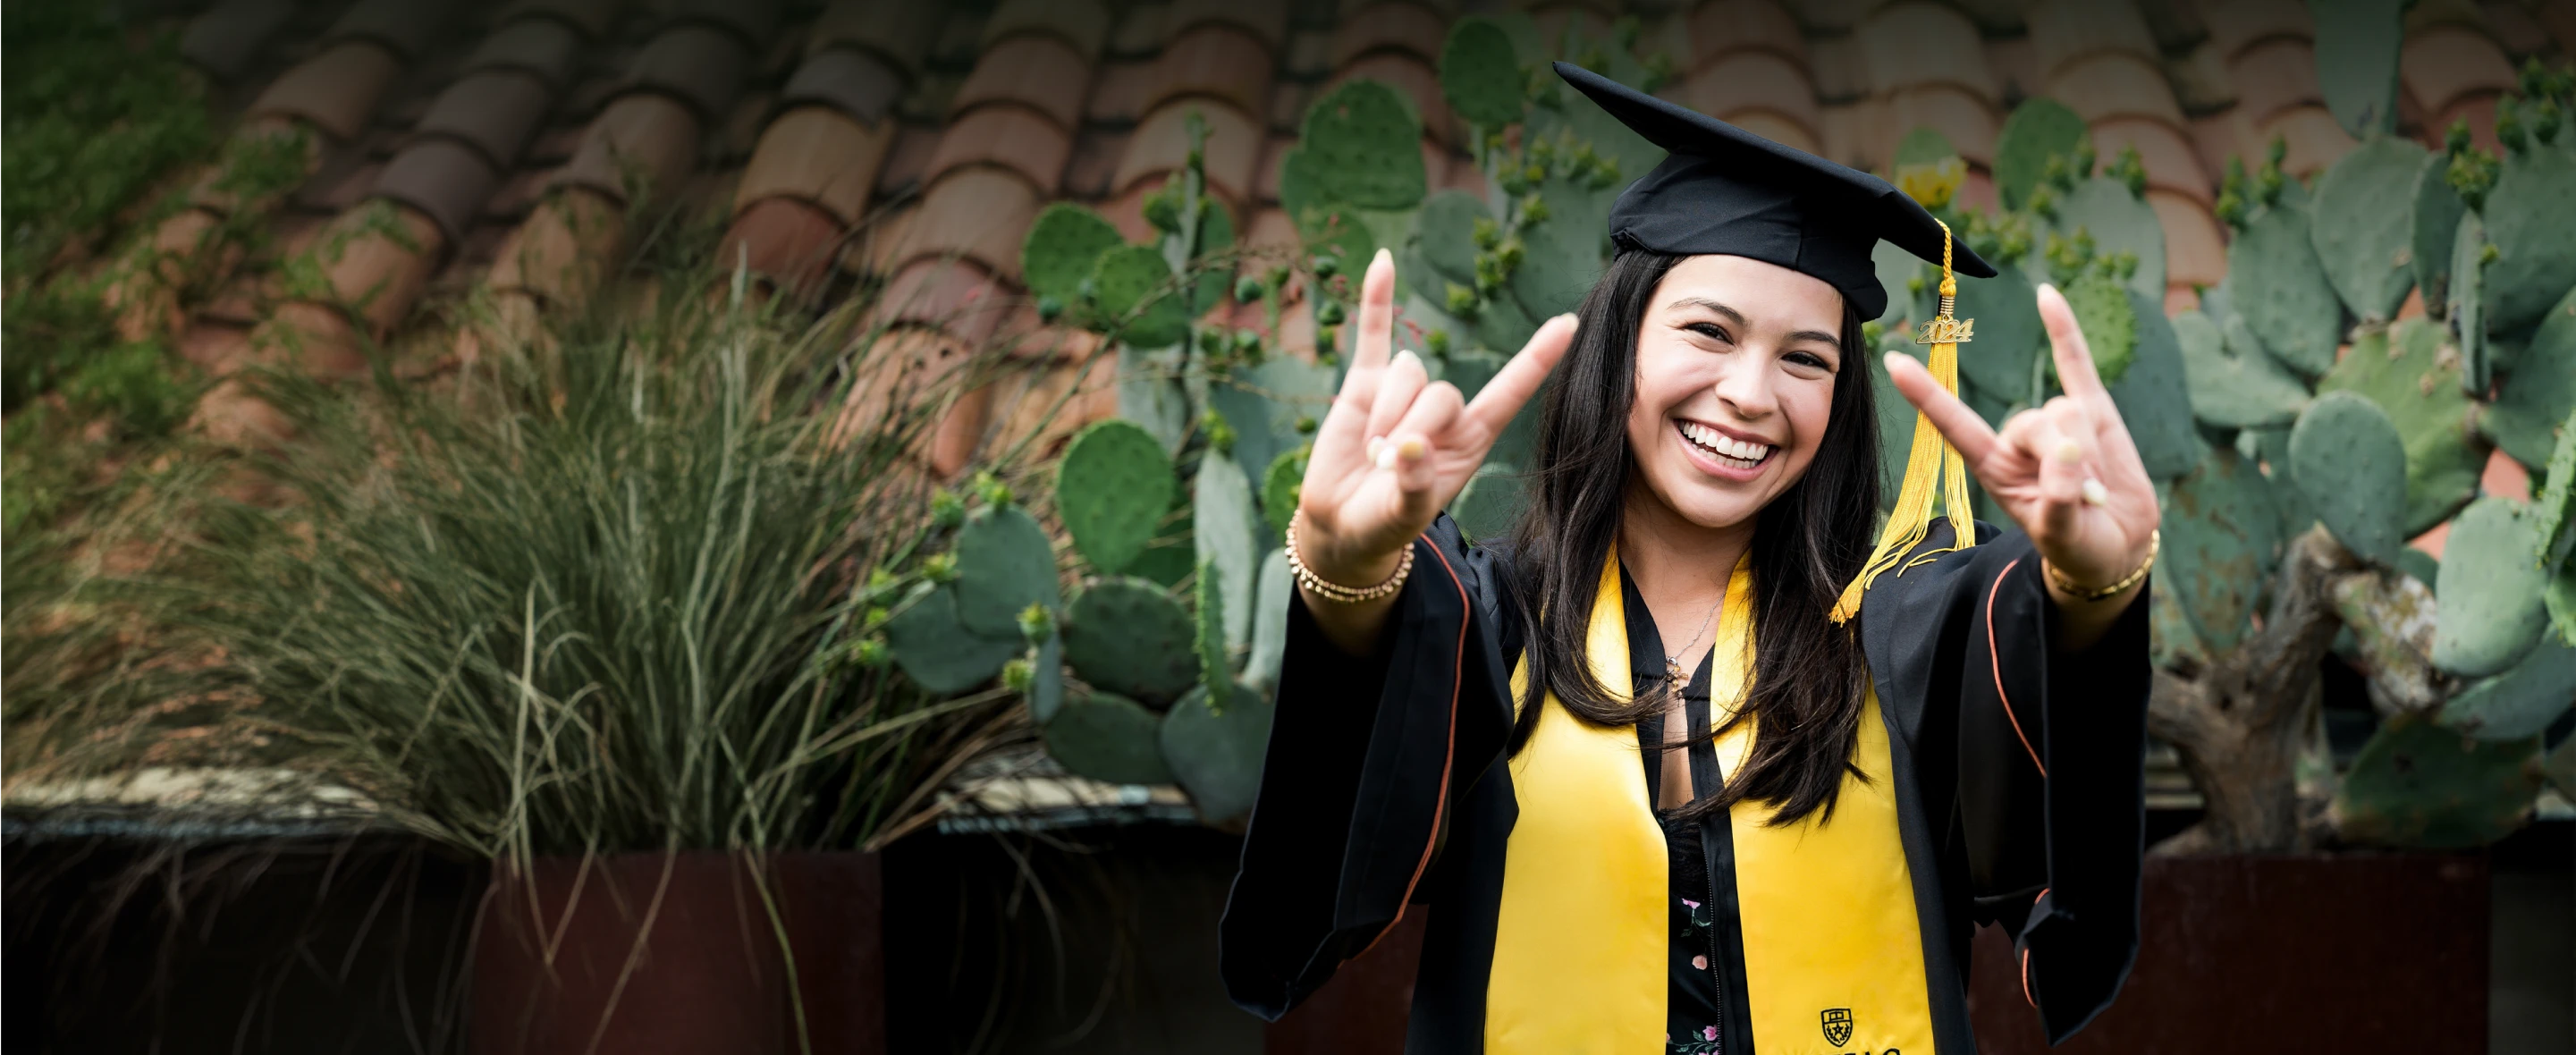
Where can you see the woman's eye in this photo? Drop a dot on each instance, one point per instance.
(1810, 360)
(1710, 331)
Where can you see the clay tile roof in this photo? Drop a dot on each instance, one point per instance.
(405, 26)
(542, 47)
(225, 38)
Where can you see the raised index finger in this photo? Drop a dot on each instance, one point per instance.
(2067, 347)
(1513, 385)
(1958, 424)
(1377, 315)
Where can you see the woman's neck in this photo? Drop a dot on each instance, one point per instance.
(1680, 568)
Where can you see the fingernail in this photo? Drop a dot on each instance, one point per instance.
(2094, 493)
(1382, 257)
(1889, 359)
(1375, 445)
(1410, 450)
(1385, 457)
(2070, 453)
(1406, 357)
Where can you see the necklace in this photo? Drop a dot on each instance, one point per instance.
(1673, 660)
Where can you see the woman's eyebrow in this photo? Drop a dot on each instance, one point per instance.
(1737, 318)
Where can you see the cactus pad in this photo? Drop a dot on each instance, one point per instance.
(2234, 391)
(1132, 288)
(2350, 465)
(936, 650)
(1266, 403)
(1361, 146)
(2171, 641)
(2433, 224)
(1279, 487)
(1480, 74)
(1130, 637)
(1491, 502)
(2221, 540)
(1216, 752)
(1004, 564)
(2009, 334)
(1062, 248)
(1445, 233)
(2039, 127)
(2531, 219)
(2490, 589)
(2522, 701)
(2356, 49)
(1107, 737)
(2418, 785)
(1228, 534)
(2468, 313)
(2109, 322)
(1270, 603)
(1113, 487)
(2277, 284)
(2404, 369)
(1501, 323)
(1046, 693)
(2153, 396)
(2533, 403)
(1207, 626)
(2120, 222)
(2364, 230)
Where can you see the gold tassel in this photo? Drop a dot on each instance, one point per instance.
(1931, 466)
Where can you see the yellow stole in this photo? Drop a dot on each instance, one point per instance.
(1833, 954)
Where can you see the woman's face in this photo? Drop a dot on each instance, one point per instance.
(1735, 380)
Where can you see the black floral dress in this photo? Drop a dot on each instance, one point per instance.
(1691, 1006)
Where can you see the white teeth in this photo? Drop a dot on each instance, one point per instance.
(1723, 445)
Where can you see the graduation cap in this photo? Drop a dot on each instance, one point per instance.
(1723, 190)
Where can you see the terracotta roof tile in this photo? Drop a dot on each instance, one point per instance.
(1266, 20)
(1722, 27)
(1013, 137)
(380, 271)
(785, 241)
(2195, 248)
(1310, 54)
(651, 137)
(2016, 65)
(1969, 121)
(1082, 24)
(742, 125)
(978, 213)
(2449, 62)
(2199, 80)
(494, 111)
(1288, 101)
(1095, 161)
(1161, 143)
(562, 250)
(1118, 91)
(2235, 25)
(1841, 73)
(333, 91)
(541, 47)
(1919, 43)
(1417, 80)
(1977, 190)
(2176, 24)
(224, 39)
(215, 347)
(2108, 84)
(2515, 27)
(1214, 59)
(1851, 131)
(697, 64)
(1039, 71)
(1749, 80)
(1399, 26)
(817, 154)
(407, 27)
(592, 17)
(2421, 15)
(1555, 18)
(1779, 128)
(517, 194)
(947, 294)
(340, 187)
(750, 21)
(2478, 112)
(908, 159)
(2274, 76)
(554, 145)
(2314, 138)
(1051, 403)
(2067, 30)
(318, 339)
(482, 244)
(1126, 212)
(897, 32)
(1139, 31)
(2559, 17)
(2167, 152)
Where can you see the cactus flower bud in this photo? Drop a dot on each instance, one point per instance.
(1462, 303)
(1036, 623)
(1436, 341)
(940, 568)
(1248, 289)
(1326, 266)
(1019, 676)
(1329, 313)
(947, 510)
(869, 652)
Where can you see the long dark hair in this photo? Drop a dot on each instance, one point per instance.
(1809, 680)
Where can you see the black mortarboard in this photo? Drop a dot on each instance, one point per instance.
(1725, 190)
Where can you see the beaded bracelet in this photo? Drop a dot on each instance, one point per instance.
(2155, 541)
(1336, 592)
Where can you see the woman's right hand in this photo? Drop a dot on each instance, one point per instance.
(1396, 446)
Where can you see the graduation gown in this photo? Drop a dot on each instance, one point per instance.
(1387, 783)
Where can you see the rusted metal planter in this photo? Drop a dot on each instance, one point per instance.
(682, 954)
(2272, 954)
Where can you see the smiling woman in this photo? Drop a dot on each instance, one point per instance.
(1684, 763)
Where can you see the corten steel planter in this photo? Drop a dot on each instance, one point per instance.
(2274, 954)
(2237, 955)
(679, 954)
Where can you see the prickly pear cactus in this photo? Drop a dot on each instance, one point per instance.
(2521, 702)
(1481, 75)
(2234, 384)
(2118, 220)
(2356, 52)
(2221, 542)
(1360, 146)
(2468, 311)
(935, 648)
(2109, 322)
(1132, 286)
(2531, 221)
(2418, 784)
(2404, 370)
(1130, 637)
(2009, 339)
(2281, 290)
(1491, 502)
(2037, 130)
(2490, 589)
(2537, 396)
(1062, 249)
(1107, 737)
(1228, 534)
(2153, 397)
(1216, 751)
(1112, 489)
(1271, 592)
(2350, 465)
(2364, 228)
(2434, 224)
(1004, 565)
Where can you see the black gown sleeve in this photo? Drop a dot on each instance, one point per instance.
(1367, 762)
(2049, 762)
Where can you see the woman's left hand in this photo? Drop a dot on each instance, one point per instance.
(2067, 471)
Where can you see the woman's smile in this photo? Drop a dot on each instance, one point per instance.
(1722, 452)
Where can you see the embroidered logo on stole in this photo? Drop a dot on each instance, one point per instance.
(1827, 910)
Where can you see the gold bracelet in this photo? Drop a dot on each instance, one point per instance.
(1336, 592)
(2155, 541)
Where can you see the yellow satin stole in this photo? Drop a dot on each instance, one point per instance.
(1833, 953)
